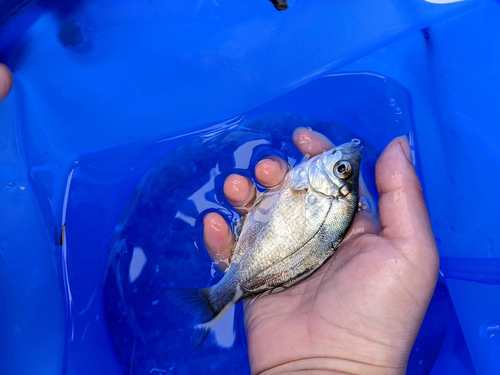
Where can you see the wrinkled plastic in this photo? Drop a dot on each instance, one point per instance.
(157, 244)
(96, 82)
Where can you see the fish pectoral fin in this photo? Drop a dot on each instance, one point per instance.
(264, 290)
(299, 188)
(268, 292)
(299, 179)
(259, 296)
(282, 287)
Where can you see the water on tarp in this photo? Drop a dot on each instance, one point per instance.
(158, 244)
(134, 214)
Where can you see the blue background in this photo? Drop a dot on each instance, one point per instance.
(106, 90)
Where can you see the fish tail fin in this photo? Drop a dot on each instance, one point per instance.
(196, 302)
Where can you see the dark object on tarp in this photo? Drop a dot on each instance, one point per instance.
(280, 4)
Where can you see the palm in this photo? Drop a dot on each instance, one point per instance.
(346, 301)
(361, 311)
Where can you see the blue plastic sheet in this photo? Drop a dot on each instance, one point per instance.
(97, 83)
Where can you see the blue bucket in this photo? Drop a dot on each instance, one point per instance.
(96, 217)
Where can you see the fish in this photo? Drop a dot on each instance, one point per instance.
(288, 234)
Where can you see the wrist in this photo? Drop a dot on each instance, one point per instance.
(333, 366)
(348, 354)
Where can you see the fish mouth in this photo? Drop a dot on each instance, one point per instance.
(349, 148)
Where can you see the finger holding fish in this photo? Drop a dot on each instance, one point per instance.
(218, 239)
(240, 192)
(311, 143)
(271, 171)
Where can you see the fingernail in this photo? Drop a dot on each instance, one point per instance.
(364, 205)
(405, 146)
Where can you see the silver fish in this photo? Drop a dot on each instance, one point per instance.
(287, 235)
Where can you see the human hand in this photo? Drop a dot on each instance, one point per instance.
(5, 81)
(361, 311)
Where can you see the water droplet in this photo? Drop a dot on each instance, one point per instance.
(392, 102)
(398, 111)
(157, 269)
(213, 269)
(489, 329)
(451, 180)
(438, 241)
(489, 245)
(420, 362)
(154, 302)
(396, 121)
(11, 186)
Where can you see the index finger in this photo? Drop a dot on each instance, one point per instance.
(311, 143)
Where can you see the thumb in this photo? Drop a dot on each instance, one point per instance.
(403, 215)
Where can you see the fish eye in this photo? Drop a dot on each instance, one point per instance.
(342, 169)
